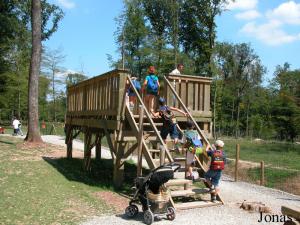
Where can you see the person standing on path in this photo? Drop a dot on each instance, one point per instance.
(16, 123)
(217, 165)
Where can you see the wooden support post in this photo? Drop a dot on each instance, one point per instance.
(98, 146)
(87, 150)
(69, 142)
(262, 173)
(140, 143)
(237, 157)
(162, 156)
(118, 175)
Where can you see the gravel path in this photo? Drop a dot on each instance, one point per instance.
(233, 193)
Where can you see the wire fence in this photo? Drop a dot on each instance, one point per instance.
(272, 174)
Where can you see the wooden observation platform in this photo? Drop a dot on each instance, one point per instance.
(97, 108)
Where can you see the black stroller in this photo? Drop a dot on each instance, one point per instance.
(153, 195)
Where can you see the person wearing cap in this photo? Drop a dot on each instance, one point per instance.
(218, 161)
(151, 86)
(169, 121)
(192, 142)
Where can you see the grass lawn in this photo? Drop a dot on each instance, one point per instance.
(275, 154)
(37, 188)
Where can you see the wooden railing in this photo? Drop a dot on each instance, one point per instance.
(99, 96)
(194, 91)
(163, 148)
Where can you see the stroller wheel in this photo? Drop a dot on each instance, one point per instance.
(171, 213)
(131, 211)
(148, 217)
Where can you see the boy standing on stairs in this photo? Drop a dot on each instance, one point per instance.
(213, 175)
(169, 121)
(192, 142)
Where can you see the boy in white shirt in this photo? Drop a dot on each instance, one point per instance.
(16, 123)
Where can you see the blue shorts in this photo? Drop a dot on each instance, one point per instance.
(169, 129)
(213, 176)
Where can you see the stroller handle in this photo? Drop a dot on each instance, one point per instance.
(177, 166)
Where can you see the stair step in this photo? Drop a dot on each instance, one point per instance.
(156, 124)
(138, 116)
(177, 182)
(133, 138)
(189, 192)
(179, 159)
(154, 150)
(196, 204)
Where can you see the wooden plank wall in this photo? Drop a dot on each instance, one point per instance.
(194, 92)
(99, 96)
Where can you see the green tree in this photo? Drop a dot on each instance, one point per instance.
(242, 72)
(131, 37)
(74, 78)
(198, 31)
(52, 60)
(286, 102)
(158, 13)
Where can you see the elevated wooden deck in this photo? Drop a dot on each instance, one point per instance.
(97, 107)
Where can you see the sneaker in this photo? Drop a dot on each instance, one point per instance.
(176, 148)
(190, 178)
(214, 199)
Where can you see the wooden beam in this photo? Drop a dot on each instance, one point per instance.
(130, 150)
(87, 150)
(109, 141)
(170, 158)
(188, 112)
(291, 211)
(140, 144)
(134, 127)
(98, 146)
(94, 123)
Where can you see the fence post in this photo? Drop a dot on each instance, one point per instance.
(237, 157)
(262, 173)
(140, 136)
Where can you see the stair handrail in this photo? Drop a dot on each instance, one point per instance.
(170, 158)
(188, 112)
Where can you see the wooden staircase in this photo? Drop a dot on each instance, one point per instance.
(185, 194)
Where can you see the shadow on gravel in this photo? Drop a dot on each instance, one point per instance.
(100, 175)
(139, 217)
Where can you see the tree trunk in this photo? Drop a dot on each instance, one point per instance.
(214, 118)
(247, 123)
(232, 116)
(33, 134)
(237, 127)
(175, 32)
(53, 94)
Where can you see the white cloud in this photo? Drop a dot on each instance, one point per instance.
(269, 33)
(64, 74)
(288, 12)
(242, 4)
(248, 15)
(67, 3)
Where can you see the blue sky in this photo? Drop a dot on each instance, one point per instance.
(86, 34)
